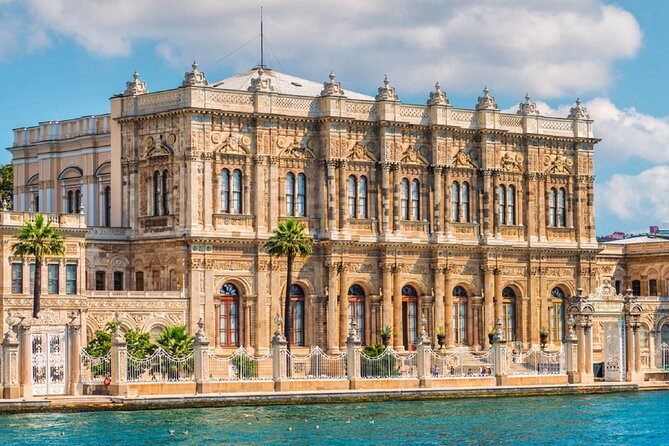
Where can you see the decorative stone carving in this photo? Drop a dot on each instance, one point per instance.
(578, 112)
(332, 88)
(512, 162)
(360, 153)
(528, 107)
(413, 155)
(299, 151)
(135, 86)
(438, 97)
(194, 78)
(558, 164)
(261, 83)
(486, 102)
(462, 159)
(387, 93)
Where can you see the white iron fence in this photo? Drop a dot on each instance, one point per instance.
(662, 357)
(388, 365)
(533, 362)
(94, 369)
(240, 366)
(316, 365)
(161, 367)
(461, 363)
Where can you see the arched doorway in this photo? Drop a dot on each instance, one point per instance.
(509, 313)
(356, 309)
(556, 316)
(229, 316)
(460, 315)
(297, 315)
(409, 316)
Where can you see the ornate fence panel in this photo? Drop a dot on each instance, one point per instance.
(533, 362)
(240, 366)
(462, 363)
(317, 365)
(94, 369)
(662, 357)
(388, 365)
(161, 367)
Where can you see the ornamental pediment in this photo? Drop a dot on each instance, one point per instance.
(463, 158)
(414, 154)
(295, 148)
(234, 143)
(361, 152)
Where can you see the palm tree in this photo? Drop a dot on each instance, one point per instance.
(289, 241)
(38, 239)
(176, 341)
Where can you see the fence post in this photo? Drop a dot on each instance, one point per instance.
(499, 354)
(119, 364)
(569, 345)
(353, 344)
(25, 359)
(279, 358)
(10, 364)
(423, 360)
(201, 352)
(76, 387)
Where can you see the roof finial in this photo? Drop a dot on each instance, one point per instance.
(486, 91)
(386, 81)
(135, 75)
(262, 42)
(527, 97)
(331, 76)
(195, 65)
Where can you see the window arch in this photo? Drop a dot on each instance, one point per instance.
(297, 314)
(352, 196)
(466, 217)
(166, 193)
(107, 206)
(552, 207)
(415, 200)
(509, 307)
(362, 197)
(501, 197)
(410, 315)
(290, 194)
(156, 193)
(356, 308)
(460, 315)
(556, 315)
(229, 316)
(561, 206)
(404, 199)
(511, 205)
(455, 201)
(236, 205)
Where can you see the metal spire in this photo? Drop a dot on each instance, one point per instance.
(262, 42)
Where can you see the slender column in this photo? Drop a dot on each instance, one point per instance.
(343, 305)
(207, 195)
(385, 198)
(387, 293)
(438, 298)
(259, 210)
(591, 207)
(495, 204)
(581, 349)
(448, 293)
(247, 324)
(578, 210)
(436, 178)
(629, 347)
(569, 202)
(343, 212)
(332, 205)
(262, 339)
(499, 311)
(543, 214)
(447, 201)
(25, 357)
(637, 350)
(530, 206)
(332, 308)
(273, 192)
(396, 197)
(588, 350)
(75, 359)
(476, 323)
(246, 192)
(398, 328)
(487, 208)
(488, 295)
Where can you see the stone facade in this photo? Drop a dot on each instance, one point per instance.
(422, 215)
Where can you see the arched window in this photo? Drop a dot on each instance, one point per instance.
(460, 315)
(652, 287)
(236, 205)
(509, 306)
(455, 201)
(362, 197)
(352, 199)
(77, 200)
(36, 202)
(297, 314)
(156, 193)
(501, 197)
(511, 205)
(225, 190)
(107, 206)
(465, 202)
(166, 193)
(290, 194)
(556, 315)
(410, 316)
(636, 287)
(415, 200)
(552, 210)
(139, 281)
(301, 195)
(70, 201)
(356, 308)
(664, 335)
(404, 199)
(562, 216)
(229, 316)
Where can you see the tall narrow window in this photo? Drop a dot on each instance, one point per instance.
(636, 287)
(17, 278)
(225, 190)
(77, 200)
(465, 202)
(511, 205)
(352, 199)
(53, 278)
(70, 201)
(118, 281)
(404, 199)
(139, 281)
(297, 314)
(556, 315)
(415, 200)
(301, 209)
(290, 194)
(356, 308)
(509, 305)
(107, 209)
(460, 315)
(236, 206)
(156, 193)
(552, 209)
(100, 280)
(501, 197)
(229, 316)
(71, 279)
(410, 315)
(562, 216)
(36, 203)
(166, 193)
(362, 197)
(652, 287)
(455, 201)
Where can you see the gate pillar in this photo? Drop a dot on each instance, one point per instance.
(582, 311)
(632, 309)
(10, 363)
(119, 364)
(75, 386)
(25, 359)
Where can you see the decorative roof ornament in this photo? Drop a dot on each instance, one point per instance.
(261, 83)
(528, 107)
(387, 93)
(578, 112)
(135, 86)
(194, 78)
(486, 102)
(438, 97)
(332, 88)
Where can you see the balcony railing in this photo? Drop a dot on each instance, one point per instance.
(10, 218)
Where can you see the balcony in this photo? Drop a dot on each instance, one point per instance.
(232, 222)
(63, 221)
(157, 223)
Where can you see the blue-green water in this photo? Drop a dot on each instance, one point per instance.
(613, 419)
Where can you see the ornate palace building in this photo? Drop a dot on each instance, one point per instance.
(421, 214)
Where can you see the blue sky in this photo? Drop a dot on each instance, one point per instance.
(61, 59)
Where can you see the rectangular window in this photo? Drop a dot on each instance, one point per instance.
(71, 279)
(652, 287)
(17, 278)
(139, 281)
(32, 278)
(53, 278)
(118, 281)
(617, 284)
(636, 287)
(100, 280)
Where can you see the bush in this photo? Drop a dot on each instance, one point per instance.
(377, 369)
(245, 367)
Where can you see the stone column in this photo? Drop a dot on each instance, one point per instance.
(438, 298)
(25, 359)
(247, 323)
(387, 294)
(398, 329)
(119, 365)
(438, 212)
(262, 341)
(637, 350)
(423, 360)
(353, 360)
(10, 365)
(448, 292)
(447, 203)
(332, 344)
(385, 199)
(487, 207)
(332, 188)
(343, 202)
(75, 386)
(499, 348)
(499, 307)
(543, 215)
(488, 295)
(201, 354)
(495, 204)
(246, 191)
(207, 195)
(343, 305)
(279, 361)
(571, 362)
(569, 202)
(629, 350)
(588, 353)
(396, 197)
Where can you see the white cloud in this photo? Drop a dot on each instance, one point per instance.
(549, 48)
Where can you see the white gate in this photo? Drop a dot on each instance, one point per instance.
(49, 361)
(614, 351)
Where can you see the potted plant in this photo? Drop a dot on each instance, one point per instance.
(543, 337)
(441, 337)
(491, 334)
(385, 334)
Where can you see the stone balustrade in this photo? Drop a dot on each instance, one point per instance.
(61, 130)
(73, 221)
